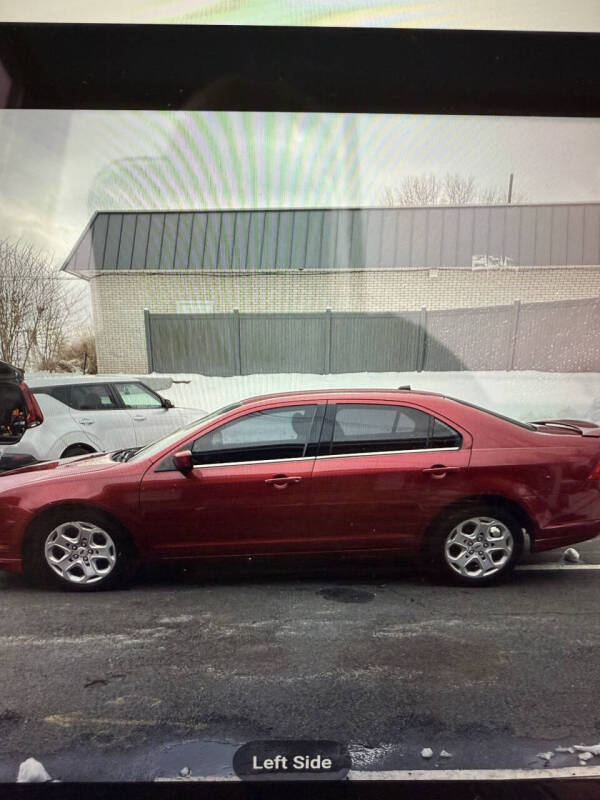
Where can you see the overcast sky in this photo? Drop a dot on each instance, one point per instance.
(58, 167)
(548, 15)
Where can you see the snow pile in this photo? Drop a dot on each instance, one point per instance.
(32, 771)
(592, 749)
(584, 752)
(45, 378)
(427, 752)
(572, 556)
(522, 395)
(363, 757)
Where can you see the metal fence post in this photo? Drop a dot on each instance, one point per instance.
(149, 355)
(237, 323)
(422, 348)
(514, 335)
(328, 336)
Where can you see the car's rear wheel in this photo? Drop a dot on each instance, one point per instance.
(80, 550)
(475, 546)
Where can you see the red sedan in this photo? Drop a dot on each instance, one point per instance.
(361, 472)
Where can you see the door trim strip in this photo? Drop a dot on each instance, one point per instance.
(319, 458)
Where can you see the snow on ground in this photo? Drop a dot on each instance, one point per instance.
(523, 395)
(364, 757)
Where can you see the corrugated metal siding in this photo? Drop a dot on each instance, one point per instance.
(373, 238)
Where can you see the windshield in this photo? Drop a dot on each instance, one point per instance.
(152, 449)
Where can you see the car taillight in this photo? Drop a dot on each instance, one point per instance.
(595, 473)
(34, 412)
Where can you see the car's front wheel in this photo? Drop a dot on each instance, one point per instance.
(78, 549)
(476, 546)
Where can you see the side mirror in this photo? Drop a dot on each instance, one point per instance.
(183, 461)
(166, 403)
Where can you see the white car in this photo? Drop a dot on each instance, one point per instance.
(86, 415)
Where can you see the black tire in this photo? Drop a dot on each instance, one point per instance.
(38, 570)
(438, 560)
(77, 450)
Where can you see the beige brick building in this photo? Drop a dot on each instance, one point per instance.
(264, 262)
(119, 299)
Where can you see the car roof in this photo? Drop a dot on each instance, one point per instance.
(356, 394)
(42, 381)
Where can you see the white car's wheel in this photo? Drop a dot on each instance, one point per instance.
(76, 450)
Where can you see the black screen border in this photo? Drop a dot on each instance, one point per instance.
(343, 70)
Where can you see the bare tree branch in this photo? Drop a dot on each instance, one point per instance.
(496, 195)
(419, 190)
(458, 189)
(453, 190)
(36, 309)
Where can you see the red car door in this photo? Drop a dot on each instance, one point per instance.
(247, 494)
(382, 470)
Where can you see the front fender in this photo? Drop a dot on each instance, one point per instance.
(27, 495)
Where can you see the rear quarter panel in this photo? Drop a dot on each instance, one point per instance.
(57, 432)
(544, 474)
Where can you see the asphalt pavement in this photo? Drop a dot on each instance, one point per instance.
(184, 667)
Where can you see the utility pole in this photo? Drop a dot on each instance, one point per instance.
(510, 185)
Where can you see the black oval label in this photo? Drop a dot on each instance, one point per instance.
(291, 759)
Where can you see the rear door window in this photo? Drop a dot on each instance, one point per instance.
(443, 435)
(60, 393)
(92, 397)
(373, 428)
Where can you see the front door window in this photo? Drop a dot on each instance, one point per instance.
(268, 435)
(134, 395)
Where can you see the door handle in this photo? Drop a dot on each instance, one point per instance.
(85, 421)
(281, 481)
(439, 470)
(139, 419)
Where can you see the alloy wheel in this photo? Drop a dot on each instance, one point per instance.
(80, 552)
(479, 547)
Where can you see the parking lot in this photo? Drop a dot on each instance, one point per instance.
(181, 668)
